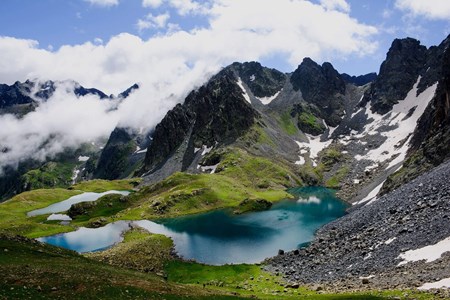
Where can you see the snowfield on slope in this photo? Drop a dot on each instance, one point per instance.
(444, 283)
(403, 118)
(428, 253)
(267, 100)
(244, 91)
(314, 146)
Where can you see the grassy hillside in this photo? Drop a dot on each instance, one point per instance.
(13, 213)
(238, 176)
(31, 270)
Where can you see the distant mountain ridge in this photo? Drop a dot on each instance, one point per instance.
(23, 97)
(19, 99)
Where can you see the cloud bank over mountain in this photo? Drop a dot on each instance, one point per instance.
(167, 65)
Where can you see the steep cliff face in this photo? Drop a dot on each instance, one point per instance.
(216, 113)
(398, 73)
(262, 81)
(114, 158)
(321, 87)
(430, 145)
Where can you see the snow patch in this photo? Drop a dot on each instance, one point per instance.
(397, 140)
(59, 217)
(210, 169)
(390, 240)
(83, 158)
(443, 283)
(142, 151)
(267, 100)
(368, 277)
(372, 196)
(356, 112)
(244, 92)
(428, 253)
(206, 149)
(331, 130)
(371, 168)
(252, 78)
(301, 161)
(314, 146)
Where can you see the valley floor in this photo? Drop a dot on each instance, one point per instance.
(358, 255)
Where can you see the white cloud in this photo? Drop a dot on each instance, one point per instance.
(336, 5)
(432, 9)
(152, 3)
(152, 21)
(185, 7)
(104, 3)
(167, 66)
(67, 120)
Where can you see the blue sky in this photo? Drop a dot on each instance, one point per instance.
(55, 23)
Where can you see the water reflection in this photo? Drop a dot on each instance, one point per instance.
(89, 239)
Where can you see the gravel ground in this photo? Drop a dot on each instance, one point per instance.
(357, 245)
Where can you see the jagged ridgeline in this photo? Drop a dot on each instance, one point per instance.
(326, 128)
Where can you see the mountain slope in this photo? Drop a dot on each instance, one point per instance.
(327, 130)
(431, 139)
(216, 113)
(375, 241)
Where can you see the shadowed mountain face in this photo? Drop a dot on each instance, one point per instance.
(216, 113)
(323, 87)
(406, 60)
(262, 81)
(430, 145)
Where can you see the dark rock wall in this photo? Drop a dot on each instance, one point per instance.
(215, 113)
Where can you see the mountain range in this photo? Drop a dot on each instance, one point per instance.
(381, 140)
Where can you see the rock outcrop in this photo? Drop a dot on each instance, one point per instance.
(398, 73)
(216, 113)
(323, 87)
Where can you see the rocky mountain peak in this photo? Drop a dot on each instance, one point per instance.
(321, 86)
(216, 113)
(262, 81)
(398, 74)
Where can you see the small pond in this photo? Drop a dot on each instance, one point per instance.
(66, 204)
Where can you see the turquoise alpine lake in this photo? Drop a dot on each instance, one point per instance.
(220, 237)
